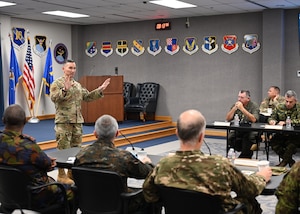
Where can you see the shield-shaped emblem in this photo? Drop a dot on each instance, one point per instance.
(91, 49)
(122, 47)
(18, 37)
(106, 49)
(154, 47)
(251, 43)
(172, 47)
(137, 48)
(190, 47)
(40, 47)
(210, 44)
(229, 44)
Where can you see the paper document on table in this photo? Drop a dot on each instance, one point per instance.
(135, 183)
(71, 160)
(245, 162)
(218, 123)
(273, 127)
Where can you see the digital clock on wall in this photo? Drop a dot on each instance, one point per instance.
(163, 25)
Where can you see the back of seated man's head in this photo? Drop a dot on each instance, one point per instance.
(106, 127)
(14, 117)
(190, 125)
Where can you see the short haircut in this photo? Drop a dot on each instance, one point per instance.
(190, 131)
(106, 127)
(277, 89)
(14, 116)
(291, 93)
(245, 91)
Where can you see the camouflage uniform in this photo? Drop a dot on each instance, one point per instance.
(104, 155)
(22, 152)
(68, 117)
(213, 175)
(243, 140)
(285, 145)
(268, 103)
(288, 192)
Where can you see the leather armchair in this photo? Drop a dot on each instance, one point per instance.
(127, 92)
(145, 101)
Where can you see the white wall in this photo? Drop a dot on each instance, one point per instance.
(58, 33)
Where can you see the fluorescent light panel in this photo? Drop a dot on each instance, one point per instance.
(173, 4)
(5, 4)
(65, 14)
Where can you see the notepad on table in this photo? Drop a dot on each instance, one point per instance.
(219, 123)
(273, 126)
(245, 162)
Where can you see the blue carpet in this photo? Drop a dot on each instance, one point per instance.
(44, 130)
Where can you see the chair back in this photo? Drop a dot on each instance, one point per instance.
(127, 91)
(16, 192)
(99, 191)
(13, 188)
(147, 91)
(177, 200)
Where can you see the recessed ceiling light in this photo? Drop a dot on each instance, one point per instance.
(173, 4)
(65, 14)
(5, 4)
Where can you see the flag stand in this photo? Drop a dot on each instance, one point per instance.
(33, 120)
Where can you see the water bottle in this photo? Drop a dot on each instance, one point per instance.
(231, 155)
(236, 120)
(288, 123)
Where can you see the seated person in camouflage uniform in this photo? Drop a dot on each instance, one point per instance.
(288, 192)
(103, 154)
(274, 98)
(285, 145)
(22, 152)
(248, 112)
(213, 175)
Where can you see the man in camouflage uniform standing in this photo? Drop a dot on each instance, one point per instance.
(288, 192)
(67, 95)
(103, 154)
(213, 175)
(285, 145)
(22, 152)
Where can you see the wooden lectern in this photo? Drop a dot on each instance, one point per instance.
(112, 103)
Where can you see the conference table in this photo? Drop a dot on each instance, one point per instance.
(65, 159)
(254, 127)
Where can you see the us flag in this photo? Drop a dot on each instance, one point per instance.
(28, 76)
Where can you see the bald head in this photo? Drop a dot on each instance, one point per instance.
(190, 125)
(14, 117)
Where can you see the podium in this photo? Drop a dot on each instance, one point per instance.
(112, 103)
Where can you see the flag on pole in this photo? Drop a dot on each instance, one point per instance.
(48, 74)
(14, 75)
(28, 75)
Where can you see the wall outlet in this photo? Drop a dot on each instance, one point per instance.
(298, 73)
